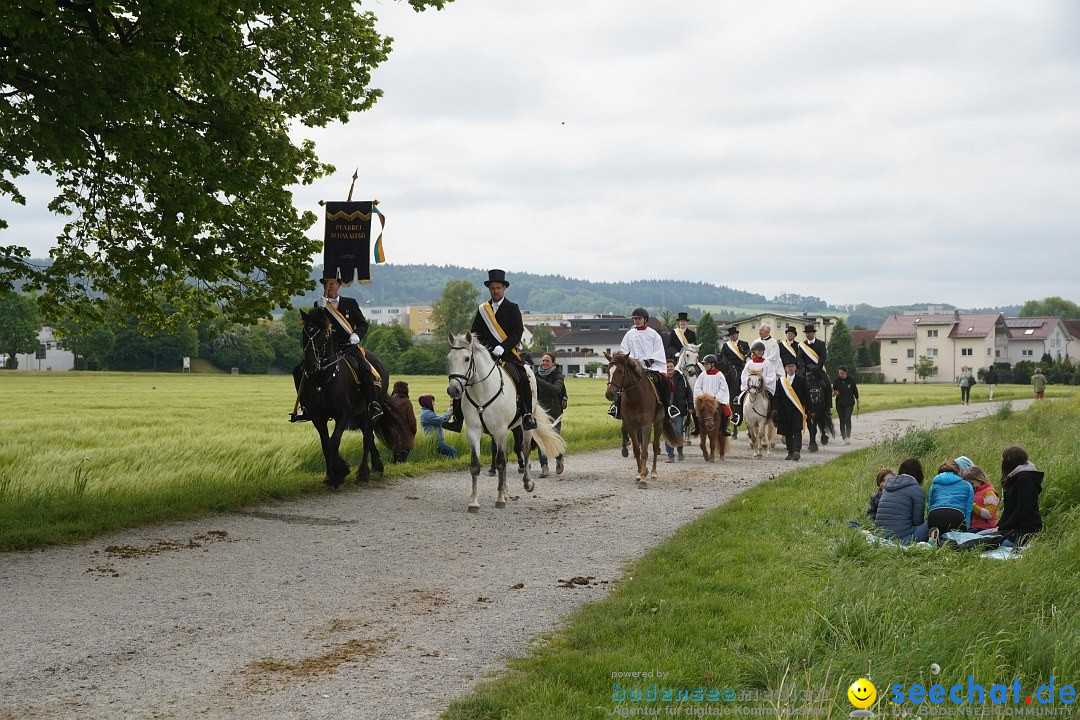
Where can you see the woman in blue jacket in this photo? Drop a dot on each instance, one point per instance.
(951, 499)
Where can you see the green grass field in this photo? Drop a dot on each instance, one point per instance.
(772, 593)
(86, 453)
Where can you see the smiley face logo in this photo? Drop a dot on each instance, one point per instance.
(862, 693)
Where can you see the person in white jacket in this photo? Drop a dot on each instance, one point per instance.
(646, 346)
(758, 359)
(713, 382)
(772, 350)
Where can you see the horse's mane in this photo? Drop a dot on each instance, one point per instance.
(706, 405)
(630, 364)
(755, 369)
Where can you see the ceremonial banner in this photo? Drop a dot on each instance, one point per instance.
(347, 240)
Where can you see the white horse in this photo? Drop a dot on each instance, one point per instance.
(489, 404)
(687, 363)
(756, 407)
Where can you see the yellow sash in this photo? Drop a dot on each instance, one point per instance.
(734, 347)
(493, 325)
(336, 314)
(810, 353)
(682, 336)
(794, 398)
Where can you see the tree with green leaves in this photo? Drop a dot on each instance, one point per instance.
(90, 343)
(455, 308)
(168, 131)
(840, 349)
(667, 319)
(543, 340)
(20, 322)
(863, 356)
(926, 367)
(707, 336)
(1051, 307)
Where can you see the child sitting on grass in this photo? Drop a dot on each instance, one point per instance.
(951, 499)
(1021, 484)
(883, 474)
(984, 509)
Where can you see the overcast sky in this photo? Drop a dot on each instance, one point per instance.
(878, 152)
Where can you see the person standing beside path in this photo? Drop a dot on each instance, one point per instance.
(991, 378)
(551, 389)
(846, 395)
(1038, 382)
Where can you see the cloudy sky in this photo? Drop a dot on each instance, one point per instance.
(879, 152)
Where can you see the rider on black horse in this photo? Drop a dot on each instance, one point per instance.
(811, 361)
(348, 326)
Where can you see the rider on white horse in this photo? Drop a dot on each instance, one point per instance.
(498, 325)
(758, 360)
(646, 346)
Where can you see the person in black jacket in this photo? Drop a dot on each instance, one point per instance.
(349, 327)
(1021, 484)
(682, 397)
(846, 396)
(675, 338)
(789, 404)
(498, 325)
(551, 391)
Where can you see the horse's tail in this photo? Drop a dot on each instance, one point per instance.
(670, 436)
(545, 434)
(391, 426)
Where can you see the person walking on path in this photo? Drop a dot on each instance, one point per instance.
(1038, 382)
(966, 381)
(551, 389)
(846, 394)
(990, 378)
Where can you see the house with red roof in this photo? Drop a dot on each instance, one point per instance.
(1032, 337)
(952, 340)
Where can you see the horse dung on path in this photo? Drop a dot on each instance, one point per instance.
(489, 404)
(640, 410)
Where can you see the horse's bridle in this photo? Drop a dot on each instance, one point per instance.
(466, 381)
(755, 389)
(619, 389)
(334, 356)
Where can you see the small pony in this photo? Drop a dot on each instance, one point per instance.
(712, 418)
(757, 406)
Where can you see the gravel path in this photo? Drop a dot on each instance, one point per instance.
(380, 601)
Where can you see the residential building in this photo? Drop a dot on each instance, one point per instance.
(49, 356)
(1032, 337)
(1072, 349)
(420, 324)
(387, 314)
(951, 340)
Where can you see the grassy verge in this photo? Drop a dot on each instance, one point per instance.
(772, 592)
(86, 453)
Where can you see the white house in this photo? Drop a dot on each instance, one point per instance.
(1032, 337)
(50, 355)
(951, 340)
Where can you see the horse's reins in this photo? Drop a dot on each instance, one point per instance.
(464, 381)
(319, 366)
(754, 391)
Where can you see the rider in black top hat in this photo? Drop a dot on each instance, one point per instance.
(674, 343)
(789, 349)
(348, 326)
(498, 325)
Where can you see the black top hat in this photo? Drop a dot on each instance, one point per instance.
(496, 275)
(683, 316)
(329, 274)
(732, 331)
(810, 328)
(791, 329)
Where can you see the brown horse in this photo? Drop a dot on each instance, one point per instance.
(640, 410)
(712, 418)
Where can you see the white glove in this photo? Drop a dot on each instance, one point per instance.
(321, 302)
(498, 351)
(354, 339)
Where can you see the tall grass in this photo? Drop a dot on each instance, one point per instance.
(773, 590)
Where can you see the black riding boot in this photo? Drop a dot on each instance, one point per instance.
(298, 379)
(456, 420)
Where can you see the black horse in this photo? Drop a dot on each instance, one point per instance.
(329, 391)
(818, 417)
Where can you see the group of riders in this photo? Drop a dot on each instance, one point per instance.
(784, 364)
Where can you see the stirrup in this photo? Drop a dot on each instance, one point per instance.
(375, 410)
(302, 417)
(528, 422)
(673, 412)
(613, 411)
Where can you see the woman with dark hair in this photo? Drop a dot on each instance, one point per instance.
(1021, 484)
(400, 400)
(900, 511)
(551, 390)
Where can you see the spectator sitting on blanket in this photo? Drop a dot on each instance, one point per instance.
(900, 512)
(882, 476)
(984, 510)
(951, 498)
(1021, 484)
